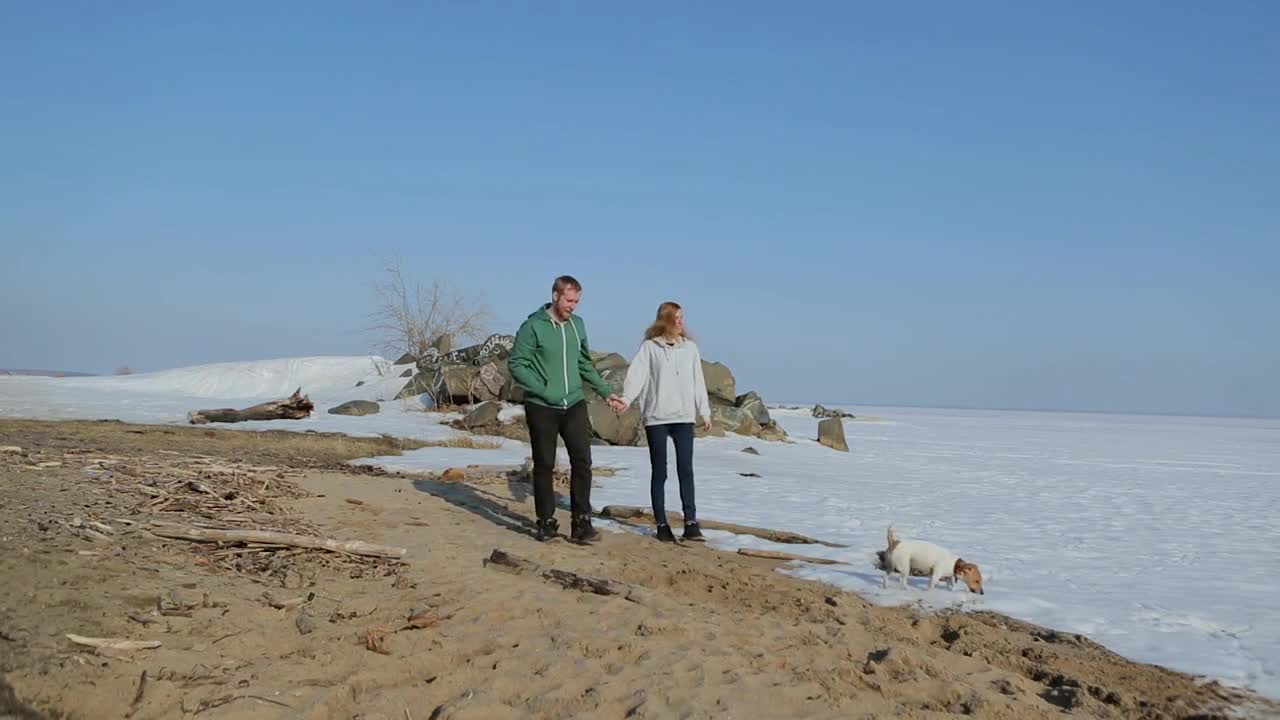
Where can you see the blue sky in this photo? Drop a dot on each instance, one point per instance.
(1027, 205)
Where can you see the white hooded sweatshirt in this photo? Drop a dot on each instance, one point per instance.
(668, 381)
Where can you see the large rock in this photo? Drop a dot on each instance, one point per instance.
(773, 432)
(419, 384)
(406, 359)
(451, 384)
(715, 431)
(494, 347)
(430, 360)
(822, 412)
(831, 434)
(752, 403)
(486, 413)
(624, 429)
(719, 381)
(492, 382)
(734, 419)
(356, 407)
(608, 361)
(443, 344)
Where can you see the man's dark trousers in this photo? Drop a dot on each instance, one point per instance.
(574, 426)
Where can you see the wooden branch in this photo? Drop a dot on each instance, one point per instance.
(574, 581)
(235, 535)
(503, 560)
(773, 555)
(113, 643)
(628, 512)
(294, 407)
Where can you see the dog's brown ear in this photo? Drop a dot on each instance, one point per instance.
(959, 567)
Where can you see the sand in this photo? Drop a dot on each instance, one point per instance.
(689, 633)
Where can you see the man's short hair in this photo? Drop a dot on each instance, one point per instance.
(565, 281)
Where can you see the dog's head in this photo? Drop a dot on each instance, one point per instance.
(970, 574)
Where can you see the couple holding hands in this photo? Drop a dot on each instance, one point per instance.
(550, 361)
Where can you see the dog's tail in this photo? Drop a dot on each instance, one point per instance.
(891, 538)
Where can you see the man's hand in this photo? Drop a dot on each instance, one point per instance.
(618, 404)
(706, 425)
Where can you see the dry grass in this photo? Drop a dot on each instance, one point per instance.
(471, 442)
(275, 445)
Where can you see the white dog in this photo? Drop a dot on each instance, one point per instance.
(907, 556)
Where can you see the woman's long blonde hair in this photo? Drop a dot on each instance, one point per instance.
(665, 323)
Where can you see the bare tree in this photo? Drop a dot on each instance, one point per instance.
(410, 316)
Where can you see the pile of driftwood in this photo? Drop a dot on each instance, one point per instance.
(230, 510)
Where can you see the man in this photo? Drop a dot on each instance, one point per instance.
(550, 361)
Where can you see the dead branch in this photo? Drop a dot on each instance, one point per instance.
(229, 535)
(773, 555)
(629, 512)
(294, 407)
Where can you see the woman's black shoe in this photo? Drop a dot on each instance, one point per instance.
(691, 532)
(665, 534)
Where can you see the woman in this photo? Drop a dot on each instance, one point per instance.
(666, 375)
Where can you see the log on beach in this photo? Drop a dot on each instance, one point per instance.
(629, 512)
(294, 407)
(774, 555)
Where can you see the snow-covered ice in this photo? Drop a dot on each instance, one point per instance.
(1153, 535)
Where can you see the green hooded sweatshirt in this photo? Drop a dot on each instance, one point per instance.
(550, 360)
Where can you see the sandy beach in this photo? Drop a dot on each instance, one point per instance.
(264, 632)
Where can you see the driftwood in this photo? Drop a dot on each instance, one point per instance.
(628, 512)
(294, 407)
(506, 561)
(772, 555)
(598, 586)
(266, 537)
(113, 643)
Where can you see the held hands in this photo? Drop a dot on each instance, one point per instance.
(706, 425)
(617, 404)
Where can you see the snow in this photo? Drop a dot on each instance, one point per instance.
(1153, 535)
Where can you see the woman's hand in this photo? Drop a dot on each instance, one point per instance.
(706, 425)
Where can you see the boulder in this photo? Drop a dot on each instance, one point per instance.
(608, 361)
(624, 429)
(451, 384)
(734, 419)
(406, 359)
(752, 403)
(408, 372)
(715, 431)
(492, 381)
(750, 451)
(442, 344)
(417, 385)
(719, 381)
(356, 407)
(831, 434)
(822, 412)
(429, 360)
(772, 432)
(486, 413)
(495, 347)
